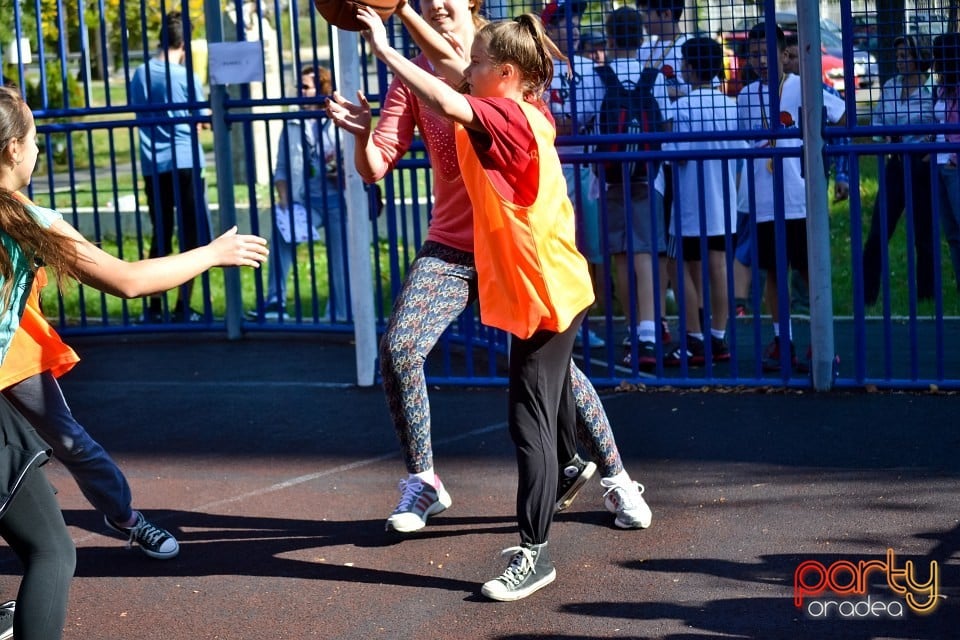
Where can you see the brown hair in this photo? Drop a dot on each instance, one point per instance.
(321, 78)
(523, 42)
(41, 246)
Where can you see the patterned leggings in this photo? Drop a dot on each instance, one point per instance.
(441, 283)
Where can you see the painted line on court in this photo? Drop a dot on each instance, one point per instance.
(292, 482)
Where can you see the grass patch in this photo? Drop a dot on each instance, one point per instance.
(842, 264)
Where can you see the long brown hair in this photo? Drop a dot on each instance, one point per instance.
(523, 42)
(42, 247)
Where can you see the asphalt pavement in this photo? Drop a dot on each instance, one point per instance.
(276, 473)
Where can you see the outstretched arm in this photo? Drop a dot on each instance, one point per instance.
(355, 118)
(99, 269)
(438, 95)
(442, 54)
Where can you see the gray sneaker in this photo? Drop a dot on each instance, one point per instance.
(6, 619)
(155, 542)
(573, 476)
(530, 570)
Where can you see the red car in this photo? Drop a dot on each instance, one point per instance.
(738, 74)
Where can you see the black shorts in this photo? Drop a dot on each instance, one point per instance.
(796, 245)
(691, 246)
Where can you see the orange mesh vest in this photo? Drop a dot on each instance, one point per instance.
(35, 346)
(530, 275)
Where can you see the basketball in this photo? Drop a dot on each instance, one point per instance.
(343, 13)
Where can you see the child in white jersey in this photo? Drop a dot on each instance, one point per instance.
(705, 204)
(760, 106)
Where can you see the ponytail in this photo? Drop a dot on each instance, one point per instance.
(524, 42)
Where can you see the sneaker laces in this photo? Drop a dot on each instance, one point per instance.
(520, 565)
(624, 496)
(410, 488)
(147, 534)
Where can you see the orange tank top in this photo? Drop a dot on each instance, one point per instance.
(530, 274)
(35, 346)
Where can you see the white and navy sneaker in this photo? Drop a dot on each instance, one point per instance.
(154, 541)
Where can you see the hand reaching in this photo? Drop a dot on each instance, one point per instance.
(352, 118)
(233, 249)
(375, 33)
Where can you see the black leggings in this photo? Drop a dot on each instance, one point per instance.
(542, 417)
(33, 527)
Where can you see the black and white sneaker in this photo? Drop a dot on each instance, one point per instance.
(6, 619)
(529, 570)
(155, 542)
(573, 476)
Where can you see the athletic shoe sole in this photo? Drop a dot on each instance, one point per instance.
(442, 503)
(491, 589)
(571, 494)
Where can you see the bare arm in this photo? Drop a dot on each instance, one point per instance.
(444, 57)
(434, 92)
(99, 269)
(354, 118)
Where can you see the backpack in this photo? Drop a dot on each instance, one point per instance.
(629, 108)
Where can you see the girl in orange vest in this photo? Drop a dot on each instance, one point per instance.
(30, 519)
(533, 282)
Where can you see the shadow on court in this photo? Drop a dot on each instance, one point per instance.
(276, 474)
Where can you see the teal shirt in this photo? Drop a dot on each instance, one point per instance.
(23, 270)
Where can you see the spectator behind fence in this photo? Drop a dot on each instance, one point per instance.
(575, 95)
(946, 56)
(663, 20)
(906, 99)
(171, 158)
(306, 178)
(32, 355)
(755, 114)
(635, 100)
(706, 222)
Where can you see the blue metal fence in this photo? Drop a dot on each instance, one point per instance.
(91, 173)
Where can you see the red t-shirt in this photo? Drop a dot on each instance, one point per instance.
(506, 147)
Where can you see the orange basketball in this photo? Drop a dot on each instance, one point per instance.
(343, 13)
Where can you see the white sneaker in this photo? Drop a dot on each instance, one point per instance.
(626, 501)
(418, 501)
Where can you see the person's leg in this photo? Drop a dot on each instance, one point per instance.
(33, 526)
(949, 188)
(719, 298)
(434, 293)
(922, 211)
(872, 250)
(441, 283)
(539, 370)
(159, 190)
(40, 400)
(279, 262)
(193, 223)
(336, 257)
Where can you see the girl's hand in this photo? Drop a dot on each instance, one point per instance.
(375, 33)
(233, 249)
(352, 118)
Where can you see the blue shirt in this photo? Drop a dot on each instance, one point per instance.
(166, 147)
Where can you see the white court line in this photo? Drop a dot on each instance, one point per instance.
(239, 384)
(292, 482)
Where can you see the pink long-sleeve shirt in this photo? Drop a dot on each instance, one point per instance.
(402, 112)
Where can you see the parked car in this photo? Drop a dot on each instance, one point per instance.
(865, 65)
(737, 73)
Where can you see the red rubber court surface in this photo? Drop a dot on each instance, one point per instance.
(276, 474)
